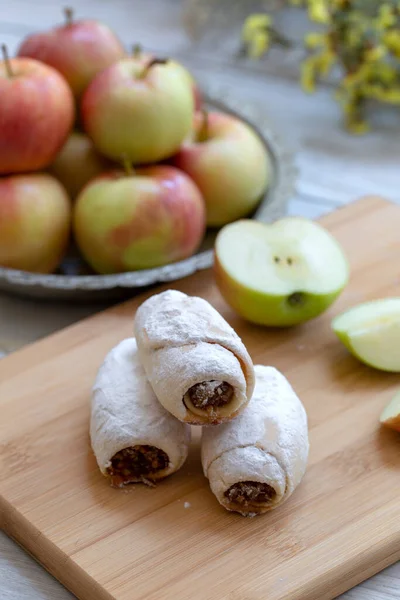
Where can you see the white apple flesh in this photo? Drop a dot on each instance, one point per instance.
(280, 274)
(371, 331)
(390, 416)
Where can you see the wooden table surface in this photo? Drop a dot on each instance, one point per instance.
(334, 168)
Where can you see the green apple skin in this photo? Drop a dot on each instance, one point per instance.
(230, 166)
(272, 311)
(344, 338)
(151, 218)
(142, 113)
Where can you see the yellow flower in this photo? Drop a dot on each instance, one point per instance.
(392, 96)
(357, 127)
(362, 74)
(385, 73)
(326, 60)
(308, 75)
(374, 54)
(364, 43)
(315, 66)
(318, 11)
(259, 44)
(254, 24)
(386, 16)
(353, 38)
(392, 41)
(373, 91)
(315, 40)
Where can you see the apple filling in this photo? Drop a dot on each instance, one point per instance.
(136, 463)
(249, 495)
(210, 394)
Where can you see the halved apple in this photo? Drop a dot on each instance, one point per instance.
(279, 274)
(390, 416)
(371, 331)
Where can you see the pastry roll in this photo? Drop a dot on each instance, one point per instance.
(133, 437)
(196, 363)
(255, 462)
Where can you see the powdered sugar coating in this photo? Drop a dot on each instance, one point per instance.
(126, 412)
(267, 443)
(184, 341)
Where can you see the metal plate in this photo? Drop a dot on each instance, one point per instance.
(83, 288)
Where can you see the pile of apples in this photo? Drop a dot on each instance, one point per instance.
(115, 150)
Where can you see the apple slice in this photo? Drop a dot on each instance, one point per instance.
(279, 274)
(371, 331)
(390, 416)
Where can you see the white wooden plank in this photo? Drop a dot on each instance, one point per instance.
(23, 321)
(21, 578)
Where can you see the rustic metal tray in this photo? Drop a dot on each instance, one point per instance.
(89, 287)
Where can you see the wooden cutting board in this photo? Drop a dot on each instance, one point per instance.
(175, 542)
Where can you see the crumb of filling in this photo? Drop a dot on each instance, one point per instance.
(250, 493)
(136, 463)
(210, 393)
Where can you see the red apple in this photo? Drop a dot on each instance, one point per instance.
(228, 162)
(37, 112)
(142, 112)
(148, 218)
(77, 163)
(78, 49)
(35, 219)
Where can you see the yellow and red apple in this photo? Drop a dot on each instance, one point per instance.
(37, 112)
(35, 219)
(78, 49)
(228, 162)
(141, 112)
(77, 163)
(280, 274)
(126, 221)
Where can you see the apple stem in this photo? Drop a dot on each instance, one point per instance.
(69, 15)
(127, 164)
(296, 299)
(136, 50)
(203, 131)
(152, 63)
(7, 61)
